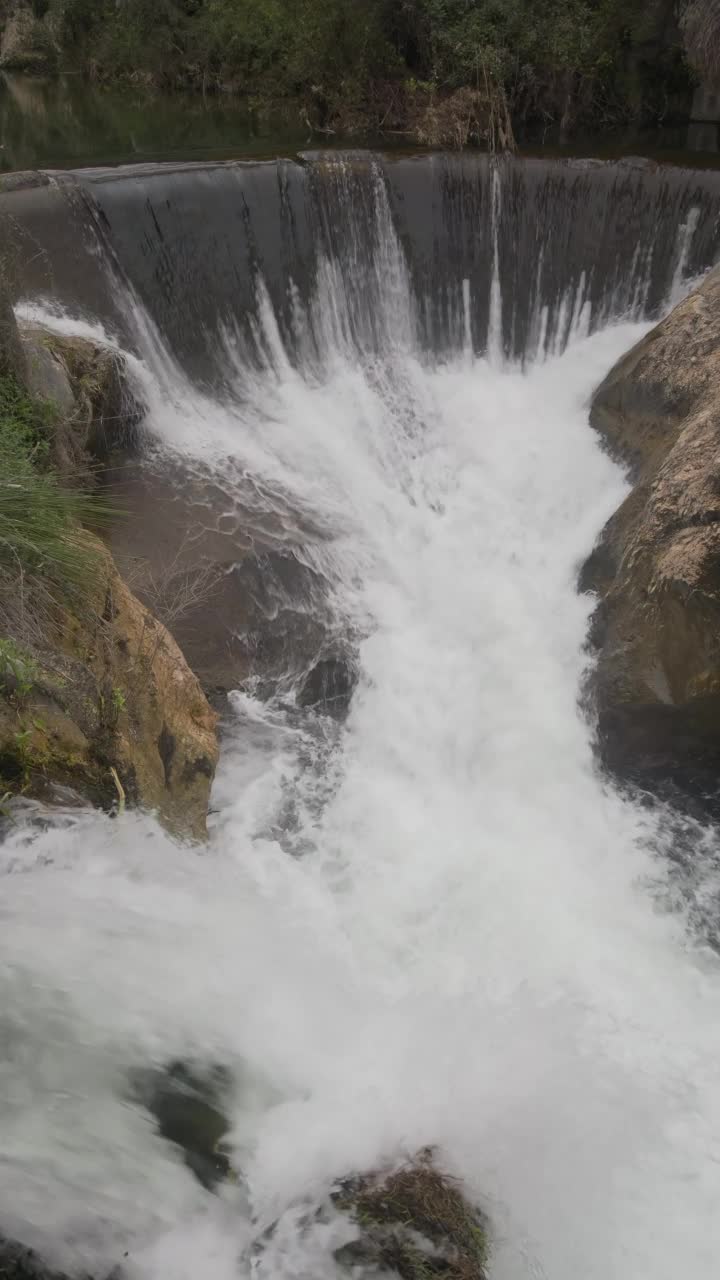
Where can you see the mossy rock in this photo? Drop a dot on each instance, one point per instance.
(414, 1220)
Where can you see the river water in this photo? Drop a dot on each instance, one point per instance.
(463, 935)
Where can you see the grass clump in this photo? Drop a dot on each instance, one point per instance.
(417, 1222)
(18, 669)
(40, 518)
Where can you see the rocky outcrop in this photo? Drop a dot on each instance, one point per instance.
(657, 565)
(96, 414)
(108, 689)
(97, 701)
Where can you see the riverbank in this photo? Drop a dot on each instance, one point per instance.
(437, 75)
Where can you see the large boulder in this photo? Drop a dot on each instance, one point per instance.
(107, 689)
(657, 565)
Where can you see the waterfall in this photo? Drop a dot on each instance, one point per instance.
(527, 249)
(434, 922)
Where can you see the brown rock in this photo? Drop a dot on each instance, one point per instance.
(647, 398)
(657, 565)
(164, 741)
(111, 690)
(96, 683)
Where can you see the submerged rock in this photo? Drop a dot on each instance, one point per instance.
(20, 1263)
(329, 686)
(189, 1104)
(264, 623)
(656, 686)
(414, 1221)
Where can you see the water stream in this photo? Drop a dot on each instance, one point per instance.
(464, 935)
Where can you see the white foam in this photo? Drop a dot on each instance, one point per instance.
(470, 953)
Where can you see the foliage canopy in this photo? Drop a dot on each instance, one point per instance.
(607, 60)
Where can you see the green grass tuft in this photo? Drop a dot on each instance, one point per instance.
(40, 519)
(18, 669)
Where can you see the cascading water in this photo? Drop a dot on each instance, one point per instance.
(475, 947)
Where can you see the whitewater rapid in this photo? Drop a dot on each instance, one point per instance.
(475, 949)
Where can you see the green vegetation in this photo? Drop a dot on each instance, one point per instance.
(49, 571)
(18, 669)
(111, 706)
(383, 63)
(119, 701)
(40, 533)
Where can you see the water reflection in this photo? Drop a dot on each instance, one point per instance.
(64, 122)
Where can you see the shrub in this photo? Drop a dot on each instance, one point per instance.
(603, 60)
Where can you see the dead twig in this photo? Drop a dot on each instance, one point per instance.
(119, 788)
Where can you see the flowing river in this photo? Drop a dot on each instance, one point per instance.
(435, 921)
